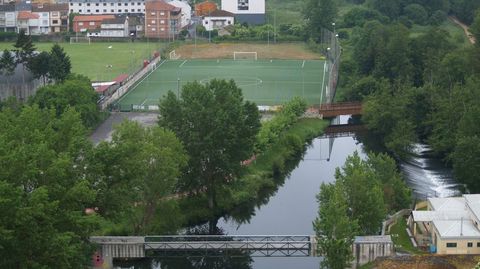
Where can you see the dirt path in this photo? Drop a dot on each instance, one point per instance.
(469, 35)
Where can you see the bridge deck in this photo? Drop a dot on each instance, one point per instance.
(337, 109)
(265, 246)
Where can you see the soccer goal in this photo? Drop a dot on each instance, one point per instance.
(80, 39)
(244, 55)
(173, 55)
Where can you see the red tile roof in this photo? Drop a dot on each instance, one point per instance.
(79, 18)
(220, 13)
(121, 78)
(26, 15)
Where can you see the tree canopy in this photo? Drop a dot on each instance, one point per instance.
(217, 128)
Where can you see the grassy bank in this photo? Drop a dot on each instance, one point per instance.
(401, 239)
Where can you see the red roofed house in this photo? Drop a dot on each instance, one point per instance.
(204, 8)
(162, 20)
(83, 23)
(28, 21)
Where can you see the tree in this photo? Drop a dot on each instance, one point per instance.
(416, 13)
(24, 51)
(475, 29)
(218, 129)
(334, 227)
(319, 14)
(140, 166)
(44, 190)
(7, 64)
(59, 65)
(39, 65)
(363, 192)
(74, 92)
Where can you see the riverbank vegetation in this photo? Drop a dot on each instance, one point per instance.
(356, 204)
(418, 82)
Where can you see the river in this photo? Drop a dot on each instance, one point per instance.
(291, 210)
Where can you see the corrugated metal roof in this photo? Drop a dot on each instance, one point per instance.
(373, 239)
(456, 229)
(425, 216)
(450, 203)
(473, 201)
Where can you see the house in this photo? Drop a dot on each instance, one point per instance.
(43, 14)
(449, 226)
(116, 27)
(28, 22)
(8, 21)
(135, 25)
(84, 23)
(162, 20)
(218, 19)
(204, 8)
(186, 13)
(246, 11)
(98, 7)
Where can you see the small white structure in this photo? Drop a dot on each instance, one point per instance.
(186, 13)
(249, 11)
(367, 248)
(116, 27)
(217, 20)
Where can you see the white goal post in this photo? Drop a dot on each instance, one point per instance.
(80, 39)
(173, 55)
(244, 55)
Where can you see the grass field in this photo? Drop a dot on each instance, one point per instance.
(265, 82)
(92, 60)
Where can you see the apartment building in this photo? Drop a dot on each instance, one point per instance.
(8, 18)
(162, 20)
(97, 7)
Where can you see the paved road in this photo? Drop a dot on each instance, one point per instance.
(104, 131)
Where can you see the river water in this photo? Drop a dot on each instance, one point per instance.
(291, 210)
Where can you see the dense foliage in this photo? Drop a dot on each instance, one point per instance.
(415, 87)
(218, 129)
(356, 204)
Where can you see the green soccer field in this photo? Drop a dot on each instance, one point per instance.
(264, 82)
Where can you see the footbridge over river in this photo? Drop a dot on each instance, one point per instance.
(332, 110)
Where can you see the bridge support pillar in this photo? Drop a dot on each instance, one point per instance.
(313, 246)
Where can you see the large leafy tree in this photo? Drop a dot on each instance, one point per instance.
(44, 190)
(74, 92)
(39, 66)
(334, 227)
(140, 166)
(218, 129)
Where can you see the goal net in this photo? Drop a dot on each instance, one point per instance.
(244, 55)
(80, 39)
(173, 55)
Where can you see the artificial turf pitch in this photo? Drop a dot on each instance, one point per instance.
(265, 82)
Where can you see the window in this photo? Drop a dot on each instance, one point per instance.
(242, 4)
(112, 4)
(54, 21)
(229, 22)
(119, 4)
(79, 4)
(138, 10)
(92, 23)
(112, 10)
(80, 23)
(126, 10)
(153, 29)
(79, 11)
(162, 13)
(138, 3)
(206, 22)
(478, 244)
(88, 4)
(162, 22)
(451, 245)
(162, 29)
(125, 4)
(470, 244)
(104, 11)
(96, 4)
(88, 10)
(97, 11)
(104, 4)
(153, 13)
(133, 10)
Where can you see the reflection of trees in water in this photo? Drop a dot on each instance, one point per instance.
(214, 262)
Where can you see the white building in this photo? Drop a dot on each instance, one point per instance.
(249, 11)
(116, 27)
(8, 22)
(106, 6)
(450, 225)
(186, 13)
(217, 20)
(43, 19)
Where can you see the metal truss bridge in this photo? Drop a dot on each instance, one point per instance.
(203, 245)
